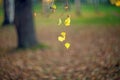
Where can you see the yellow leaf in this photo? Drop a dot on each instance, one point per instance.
(117, 3)
(67, 21)
(61, 39)
(54, 6)
(63, 34)
(60, 21)
(67, 45)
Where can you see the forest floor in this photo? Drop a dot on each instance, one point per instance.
(94, 54)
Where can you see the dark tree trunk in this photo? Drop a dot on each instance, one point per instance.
(24, 24)
(6, 12)
(8, 6)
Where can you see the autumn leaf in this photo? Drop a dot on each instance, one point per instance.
(59, 21)
(67, 45)
(67, 21)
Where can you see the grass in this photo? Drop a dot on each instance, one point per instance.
(107, 15)
(41, 46)
(97, 20)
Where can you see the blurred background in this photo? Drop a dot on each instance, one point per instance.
(36, 44)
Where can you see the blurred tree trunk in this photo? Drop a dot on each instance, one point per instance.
(96, 5)
(12, 11)
(108, 2)
(24, 24)
(67, 5)
(8, 6)
(45, 7)
(77, 6)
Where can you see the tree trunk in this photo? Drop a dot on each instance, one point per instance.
(11, 11)
(8, 6)
(24, 24)
(45, 8)
(67, 5)
(96, 4)
(77, 6)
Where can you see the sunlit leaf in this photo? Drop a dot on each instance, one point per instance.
(67, 45)
(59, 22)
(63, 34)
(54, 6)
(67, 21)
(117, 3)
(61, 39)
